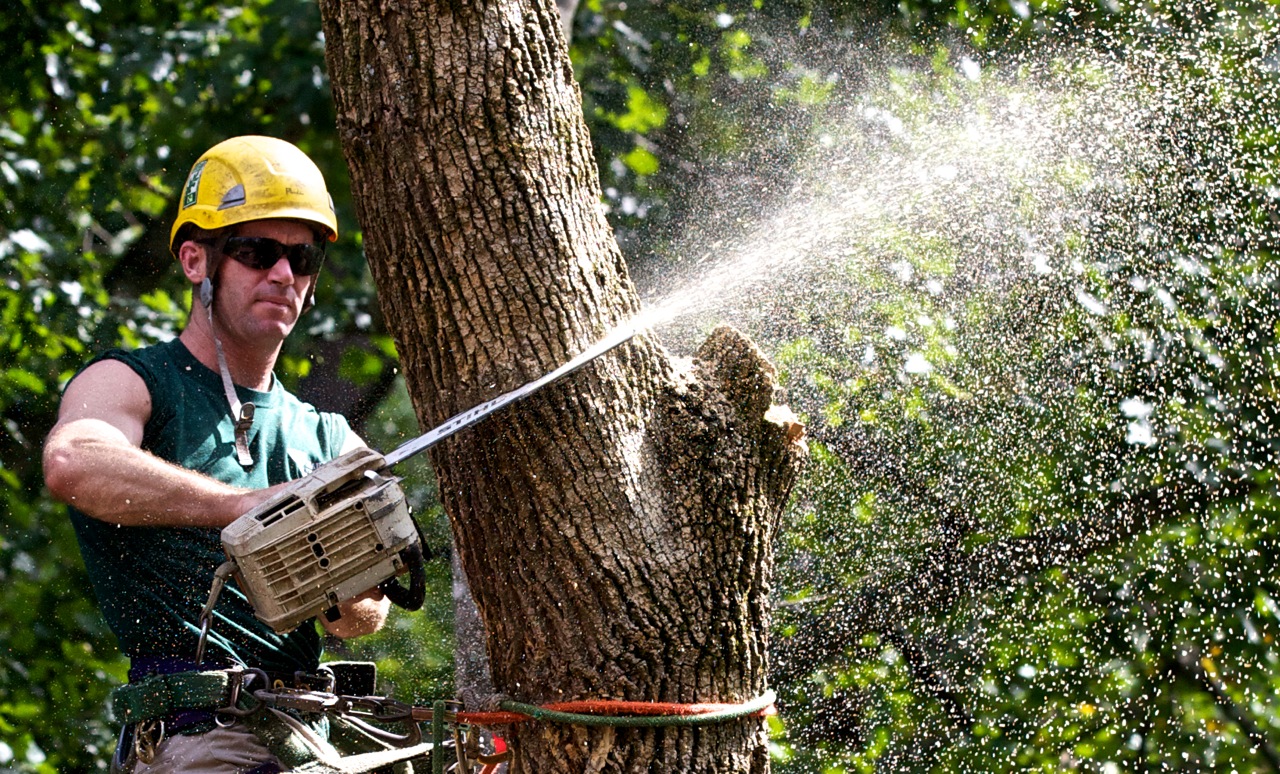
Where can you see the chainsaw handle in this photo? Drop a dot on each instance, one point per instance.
(412, 597)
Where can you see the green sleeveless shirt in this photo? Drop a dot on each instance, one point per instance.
(152, 582)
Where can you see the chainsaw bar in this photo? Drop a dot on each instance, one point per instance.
(472, 415)
(345, 527)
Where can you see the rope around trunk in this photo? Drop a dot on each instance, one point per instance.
(622, 714)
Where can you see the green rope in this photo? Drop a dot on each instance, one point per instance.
(640, 721)
(437, 737)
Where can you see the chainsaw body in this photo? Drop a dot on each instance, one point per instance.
(328, 537)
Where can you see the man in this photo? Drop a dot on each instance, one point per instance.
(156, 450)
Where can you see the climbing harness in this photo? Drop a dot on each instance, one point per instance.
(274, 711)
(269, 708)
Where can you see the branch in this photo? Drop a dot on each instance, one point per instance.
(926, 675)
(1189, 665)
(947, 575)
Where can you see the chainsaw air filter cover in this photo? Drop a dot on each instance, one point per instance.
(323, 540)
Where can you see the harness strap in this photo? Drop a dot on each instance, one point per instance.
(162, 695)
(285, 741)
(241, 415)
(297, 748)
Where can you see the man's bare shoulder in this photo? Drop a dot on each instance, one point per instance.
(104, 411)
(104, 390)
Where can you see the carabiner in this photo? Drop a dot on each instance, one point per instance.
(147, 738)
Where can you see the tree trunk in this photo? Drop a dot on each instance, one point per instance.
(615, 528)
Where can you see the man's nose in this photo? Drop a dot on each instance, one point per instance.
(281, 272)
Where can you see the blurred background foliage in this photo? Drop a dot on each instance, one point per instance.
(1030, 322)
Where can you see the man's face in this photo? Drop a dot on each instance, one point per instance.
(259, 306)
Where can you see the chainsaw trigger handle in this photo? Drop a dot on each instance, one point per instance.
(412, 597)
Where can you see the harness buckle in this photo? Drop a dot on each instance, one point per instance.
(227, 715)
(243, 424)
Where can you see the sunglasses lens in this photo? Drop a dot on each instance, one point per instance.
(305, 259)
(263, 253)
(252, 252)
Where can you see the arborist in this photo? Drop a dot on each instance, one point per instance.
(157, 449)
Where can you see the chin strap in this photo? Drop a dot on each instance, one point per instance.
(242, 414)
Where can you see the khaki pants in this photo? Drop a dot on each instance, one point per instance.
(230, 750)
(233, 750)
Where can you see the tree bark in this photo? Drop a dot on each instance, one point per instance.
(616, 527)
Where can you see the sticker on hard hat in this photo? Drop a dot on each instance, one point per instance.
(193, 184)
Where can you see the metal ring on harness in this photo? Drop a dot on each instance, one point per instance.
(232, 710)
(147, 738)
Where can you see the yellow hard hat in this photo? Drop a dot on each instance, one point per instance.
(253, 178)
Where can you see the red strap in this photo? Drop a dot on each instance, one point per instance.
(607, 707)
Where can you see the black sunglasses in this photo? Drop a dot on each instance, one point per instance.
(264, 252)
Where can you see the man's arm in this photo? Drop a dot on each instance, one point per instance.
(92, 460)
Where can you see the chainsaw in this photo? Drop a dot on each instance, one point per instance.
(346, 528)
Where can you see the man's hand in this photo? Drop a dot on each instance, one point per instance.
(360, 615)
(252, 498)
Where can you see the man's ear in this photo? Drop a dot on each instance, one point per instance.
(194, 259)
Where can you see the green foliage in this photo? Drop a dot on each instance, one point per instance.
(1047, 313)
(723, 94)
(667, 89)
(1037, 532)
